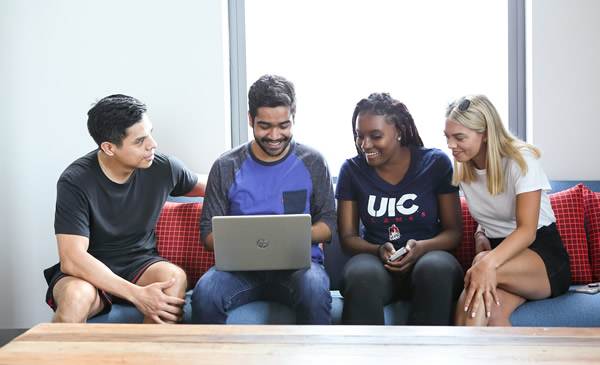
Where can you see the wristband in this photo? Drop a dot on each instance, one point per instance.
(479, 231)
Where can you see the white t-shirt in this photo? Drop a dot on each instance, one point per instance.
(496, 214)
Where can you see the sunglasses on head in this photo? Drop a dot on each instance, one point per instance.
(464, 105)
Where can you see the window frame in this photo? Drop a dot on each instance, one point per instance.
(516, 70)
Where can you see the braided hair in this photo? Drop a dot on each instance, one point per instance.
(395, 113)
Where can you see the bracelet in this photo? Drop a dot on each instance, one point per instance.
(478, 231)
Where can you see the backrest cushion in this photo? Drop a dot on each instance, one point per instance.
(591, 202)
(569, 211)
(466, 252)
(178, 235)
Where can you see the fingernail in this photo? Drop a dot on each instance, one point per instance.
(488, 314)
(472, 314)
(466, 309)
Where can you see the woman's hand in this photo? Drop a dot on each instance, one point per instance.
(482, 243)
(480, 285)
(407, 261)
(384, 251)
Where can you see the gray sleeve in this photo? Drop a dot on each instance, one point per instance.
(322, 202)
(216, 202)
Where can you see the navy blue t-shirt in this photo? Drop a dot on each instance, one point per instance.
(407, 210)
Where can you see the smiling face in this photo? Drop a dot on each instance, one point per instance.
(273, 132)
(377, 139)
(466, 144)
(137, 148)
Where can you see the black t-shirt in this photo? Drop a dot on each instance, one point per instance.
(118, 219)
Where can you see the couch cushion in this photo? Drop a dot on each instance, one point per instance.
(466, 252)
(569, 211)
(571, 309)
(178, 235)
(591, 202)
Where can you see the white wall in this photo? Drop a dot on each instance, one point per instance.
(563, 87)
(60, 56)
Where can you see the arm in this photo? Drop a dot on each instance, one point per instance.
(150, 300)
(350, 241)
(448, 239)
(209, 243)
(200, 187)
(481, 278)
(526, 214)
(320, 232)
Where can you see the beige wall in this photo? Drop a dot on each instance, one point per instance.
(60, 56)
(564, 86)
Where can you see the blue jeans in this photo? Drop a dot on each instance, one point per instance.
(305, 290)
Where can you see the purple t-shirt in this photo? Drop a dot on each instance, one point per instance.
(407, 210)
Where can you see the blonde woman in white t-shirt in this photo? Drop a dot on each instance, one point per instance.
(519, 253)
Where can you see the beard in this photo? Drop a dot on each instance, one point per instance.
(264, 145)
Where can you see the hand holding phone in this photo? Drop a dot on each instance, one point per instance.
(399, 254)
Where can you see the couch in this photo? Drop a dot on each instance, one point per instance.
(576, 206)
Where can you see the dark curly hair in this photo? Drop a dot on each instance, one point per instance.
(395, 113)
(271, 91)
(110, 117)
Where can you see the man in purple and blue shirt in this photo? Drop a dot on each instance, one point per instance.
(273, 174)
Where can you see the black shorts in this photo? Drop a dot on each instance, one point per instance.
(549, 246)
(128, 269)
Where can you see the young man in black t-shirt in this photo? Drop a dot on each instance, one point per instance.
(107, 206)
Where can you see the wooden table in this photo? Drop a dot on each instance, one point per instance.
(307, 345)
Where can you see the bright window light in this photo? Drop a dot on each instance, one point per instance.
(424, 53)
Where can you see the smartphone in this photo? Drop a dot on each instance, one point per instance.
(399, 254)
(591, 288)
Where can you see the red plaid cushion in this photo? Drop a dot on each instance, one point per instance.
(591, 202)
(178, 235)
(466, 252)
(568, 209)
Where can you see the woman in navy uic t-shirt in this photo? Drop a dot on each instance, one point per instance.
(401, 193)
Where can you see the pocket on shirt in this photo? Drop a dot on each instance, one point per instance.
(294, 202)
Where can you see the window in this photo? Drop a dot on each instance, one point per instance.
(424, 53)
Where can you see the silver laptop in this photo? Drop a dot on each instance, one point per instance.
(262, 242)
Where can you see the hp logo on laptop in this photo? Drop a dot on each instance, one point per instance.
(262, 243)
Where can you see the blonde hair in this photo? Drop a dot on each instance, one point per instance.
(477, 113)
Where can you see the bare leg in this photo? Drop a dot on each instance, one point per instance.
(165, 271)
(523, 277)
(76, 300)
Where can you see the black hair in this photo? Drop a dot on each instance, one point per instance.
(395, 113)
(271, 91)
(110, 117)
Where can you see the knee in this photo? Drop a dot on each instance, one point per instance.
(173, 271)
(438, 266)
(75, 301)
(479, 256)
(311, 285)
(207, 292)
(363, 269)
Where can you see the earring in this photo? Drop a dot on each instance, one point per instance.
(399, 139)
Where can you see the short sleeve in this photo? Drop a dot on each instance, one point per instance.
(344, 189)
(534, 179)
(72, 211)
(444, 166)
(184, 179)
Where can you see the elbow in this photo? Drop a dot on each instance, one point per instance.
(531, 237)
(345, 245)
(455, 236)
(68, 268)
